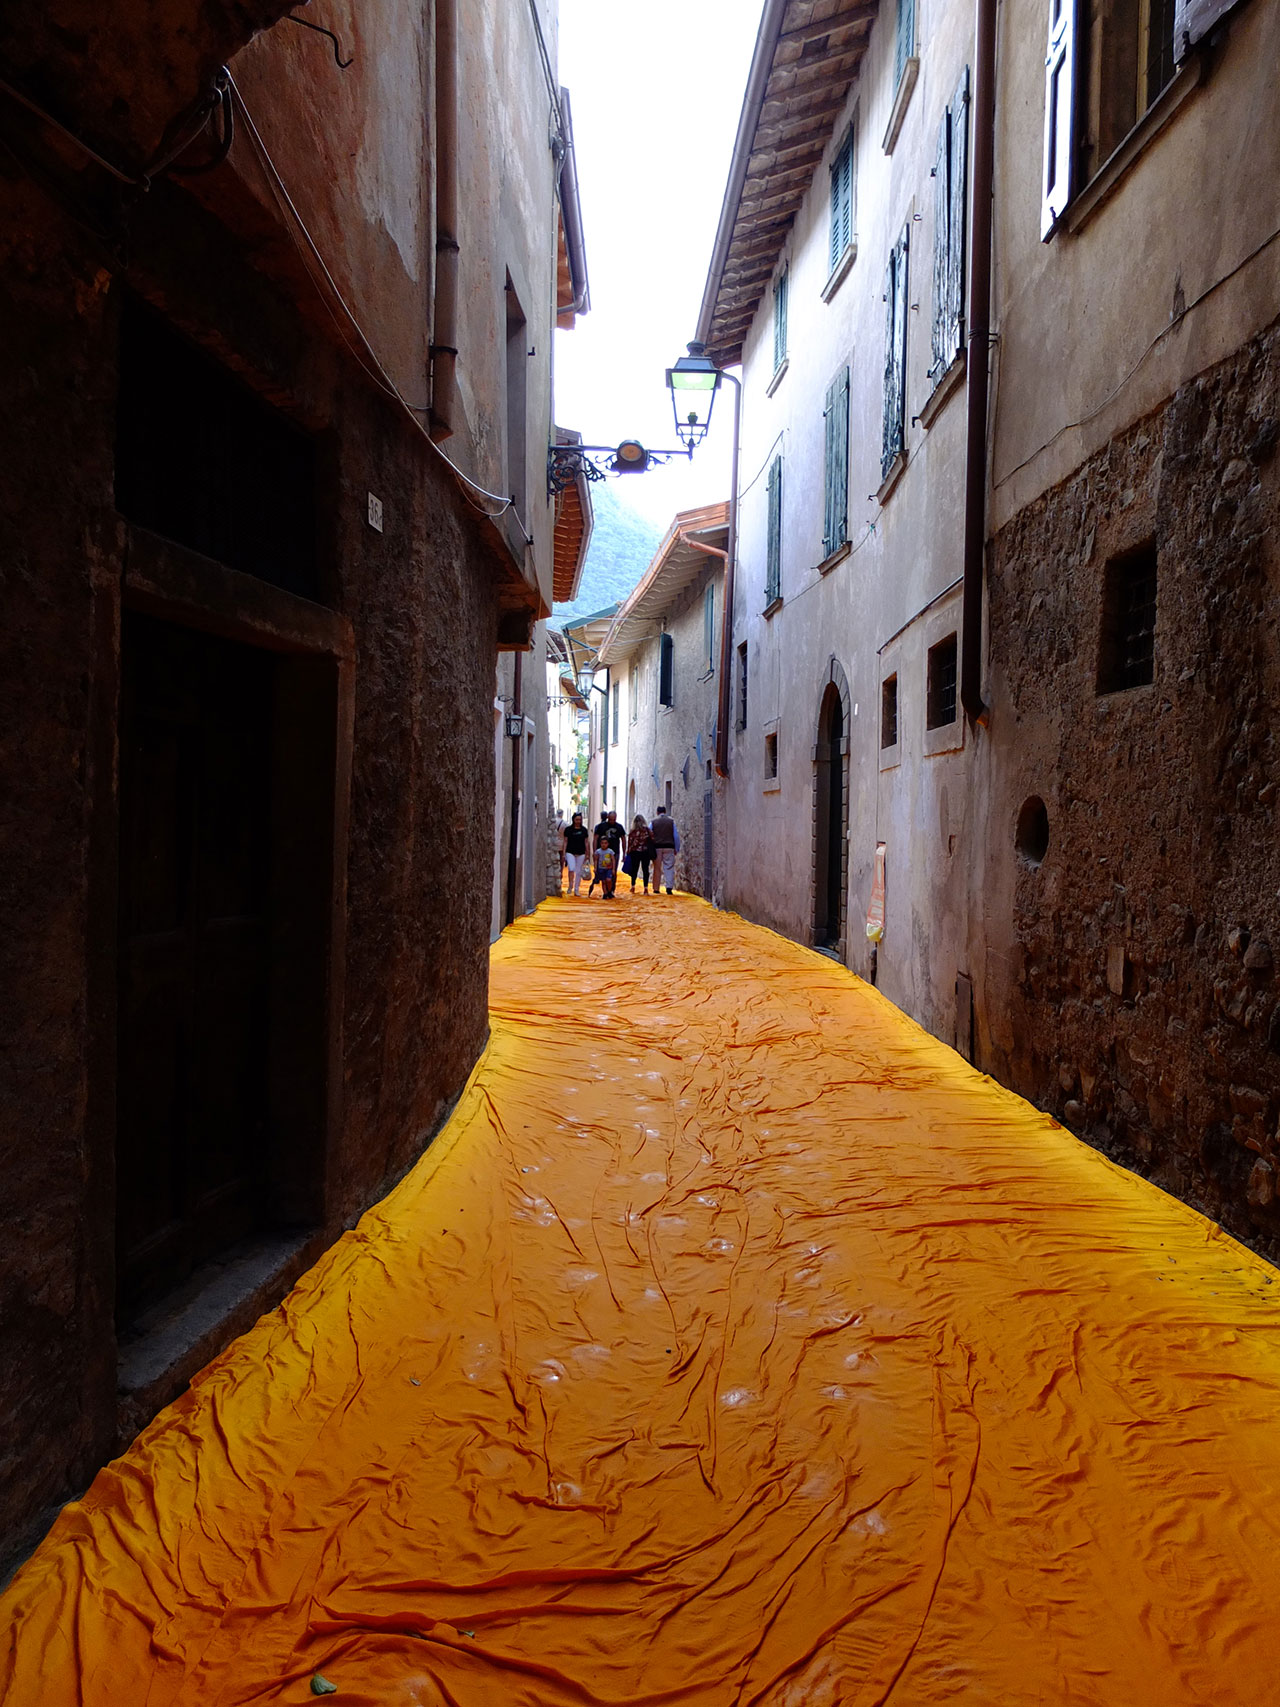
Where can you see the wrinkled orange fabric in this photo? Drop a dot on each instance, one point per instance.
(736, 1343)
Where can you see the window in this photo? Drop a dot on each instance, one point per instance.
(633, 692)
(1126, 652)
(904, 41)
(773, 538)
(1097, 91)
(667, 794)
(949, 189)
(841, 202)
(666, 669)
(836, 465)
(237, 483)
(895, 355)
(615, 693)
(780, 320)
(771, 756)
(889, 712)
(517, 400)
(940, 701)
(709, 627)
(742, 685)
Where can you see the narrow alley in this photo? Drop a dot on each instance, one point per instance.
(735, 1343)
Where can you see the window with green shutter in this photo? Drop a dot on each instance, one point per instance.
(773, 547)
(780, 320)
(841, 202)
(950, 190)
(904, 45)
(836, 465)
(895, 355)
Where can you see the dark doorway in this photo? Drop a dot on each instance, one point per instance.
(829, 838)
(193, 1156)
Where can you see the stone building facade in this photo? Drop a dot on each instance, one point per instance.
(253, 594)
(661, 656)
(1080, 878)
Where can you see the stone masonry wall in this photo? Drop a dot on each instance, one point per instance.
(1135, 994)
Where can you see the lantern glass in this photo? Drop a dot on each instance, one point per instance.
(694, 381)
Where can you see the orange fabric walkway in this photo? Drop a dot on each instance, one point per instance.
(735, 1344)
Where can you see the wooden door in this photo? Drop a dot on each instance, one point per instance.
(195, 795)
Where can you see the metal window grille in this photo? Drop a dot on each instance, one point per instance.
(940, 695)
(1126, 653)
(889, 712)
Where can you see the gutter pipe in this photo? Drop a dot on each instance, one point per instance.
(571, 211)
(979, 361)
(444, 319)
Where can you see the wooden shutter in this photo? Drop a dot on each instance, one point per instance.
(957, 223)
(841, 202)
(666, 648)
(939, 348)
(895, 361)
(1192, 21)
(905, 40)
(780, 320)
(773, 564)
(1059, 114)
(836, 471)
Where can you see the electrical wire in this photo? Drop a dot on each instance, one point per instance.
(363, 351)
(1159, 338)
(742, 492)
(78, 141)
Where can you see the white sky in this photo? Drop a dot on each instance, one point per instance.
(652, 164)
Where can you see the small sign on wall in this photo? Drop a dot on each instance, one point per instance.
(375, 513)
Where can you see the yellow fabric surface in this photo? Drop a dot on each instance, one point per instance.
(736, 1343)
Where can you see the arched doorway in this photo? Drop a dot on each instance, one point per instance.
(631, 804)
(831, 813)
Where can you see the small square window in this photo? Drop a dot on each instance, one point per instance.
(1127, 641)
(940, 695)
(889, 712)
(771, 755)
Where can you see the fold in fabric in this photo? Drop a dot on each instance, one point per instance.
(735, 1343)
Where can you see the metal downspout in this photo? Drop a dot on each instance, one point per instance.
(979, 361)
(444, 318)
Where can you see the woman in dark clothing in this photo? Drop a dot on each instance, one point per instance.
(639, 852)
(573, 844)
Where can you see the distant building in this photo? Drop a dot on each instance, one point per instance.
(662, 656)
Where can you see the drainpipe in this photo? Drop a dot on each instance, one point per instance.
(730, 565)
(444, 319)
(975, 486)
(571, 213)
(517, 757)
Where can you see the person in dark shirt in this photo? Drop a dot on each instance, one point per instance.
(573, 845)
(666, 845)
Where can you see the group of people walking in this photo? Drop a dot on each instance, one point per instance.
(644, 850)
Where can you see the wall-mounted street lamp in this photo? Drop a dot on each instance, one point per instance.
(566, 462)
(694, 381)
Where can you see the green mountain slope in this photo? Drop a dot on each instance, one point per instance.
(621, 549)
